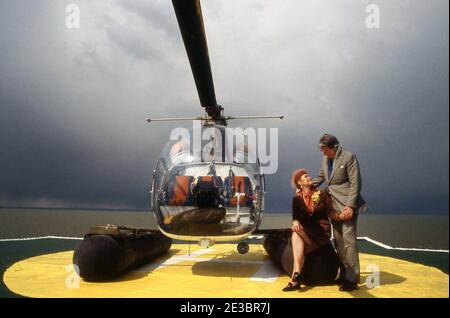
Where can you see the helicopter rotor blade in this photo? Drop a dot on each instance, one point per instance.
(149, 120)
(225, 118)
(190, 21)
(253, 117)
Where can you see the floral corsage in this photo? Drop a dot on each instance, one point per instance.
(317, 197)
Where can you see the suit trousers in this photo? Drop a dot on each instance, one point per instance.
(344, 233)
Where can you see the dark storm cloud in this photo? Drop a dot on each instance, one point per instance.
(73, 102)
(133, 45)
(159, 14)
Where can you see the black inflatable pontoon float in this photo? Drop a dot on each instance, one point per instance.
(109, 251)
(320, 268)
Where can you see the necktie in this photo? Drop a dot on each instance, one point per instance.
(330, 167)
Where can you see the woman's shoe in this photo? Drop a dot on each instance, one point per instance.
(292, 287)
(297, 277)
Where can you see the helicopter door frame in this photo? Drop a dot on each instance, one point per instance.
(152, 192)
(155, 174)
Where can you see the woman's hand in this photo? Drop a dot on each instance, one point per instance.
(346, 214)
(296, 226)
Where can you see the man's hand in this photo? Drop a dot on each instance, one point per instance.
(347, 213)
(296, 226)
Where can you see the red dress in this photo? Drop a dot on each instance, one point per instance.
(316, 225)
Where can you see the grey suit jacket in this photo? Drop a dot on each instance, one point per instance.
(345, 182)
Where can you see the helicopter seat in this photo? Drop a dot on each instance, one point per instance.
(178, 190)
(239, 184)
(215, 181)
(207, 191)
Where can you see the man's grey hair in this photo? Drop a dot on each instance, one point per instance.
(329, 141)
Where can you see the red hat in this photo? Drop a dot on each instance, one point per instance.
(296, 176)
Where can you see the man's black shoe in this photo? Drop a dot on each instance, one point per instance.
(348, 286)
(341, 280)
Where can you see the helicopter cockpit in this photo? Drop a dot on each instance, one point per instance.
(202, 195)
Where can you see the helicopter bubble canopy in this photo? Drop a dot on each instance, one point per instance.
(206, 191)
(214, 145)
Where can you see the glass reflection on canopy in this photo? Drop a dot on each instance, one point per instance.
(203, 194)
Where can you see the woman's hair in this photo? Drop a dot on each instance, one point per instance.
(296, 175)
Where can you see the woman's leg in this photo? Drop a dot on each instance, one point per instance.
(298, 250)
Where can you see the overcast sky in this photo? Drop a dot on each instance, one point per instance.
(73, 101)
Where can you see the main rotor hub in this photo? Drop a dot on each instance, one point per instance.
(215, 114)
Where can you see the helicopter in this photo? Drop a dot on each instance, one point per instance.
(212, 192)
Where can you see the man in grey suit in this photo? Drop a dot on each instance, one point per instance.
(340, 172)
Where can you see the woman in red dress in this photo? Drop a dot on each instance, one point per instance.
(311, 210)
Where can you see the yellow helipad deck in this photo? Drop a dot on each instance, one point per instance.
(216, 272)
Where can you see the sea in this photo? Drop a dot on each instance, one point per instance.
(405, 231)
